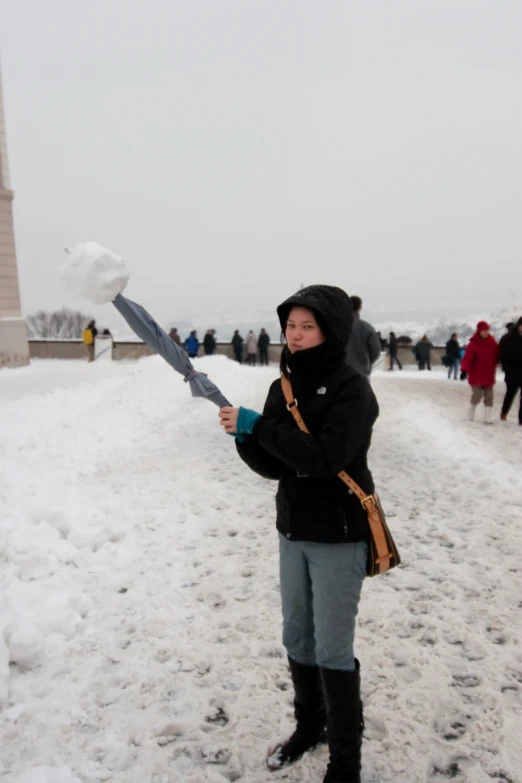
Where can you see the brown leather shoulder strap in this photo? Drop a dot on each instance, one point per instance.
(293, 406)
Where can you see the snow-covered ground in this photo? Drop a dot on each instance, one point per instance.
(139, 604)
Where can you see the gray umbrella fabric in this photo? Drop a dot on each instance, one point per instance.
(146, 328)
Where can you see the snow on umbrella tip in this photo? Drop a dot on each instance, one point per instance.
(94, 272)
(99, 275)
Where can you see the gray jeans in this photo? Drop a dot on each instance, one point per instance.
(320, 591)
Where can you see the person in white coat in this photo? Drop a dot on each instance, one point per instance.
(251, 348)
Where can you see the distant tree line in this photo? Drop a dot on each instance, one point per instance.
(61, 324)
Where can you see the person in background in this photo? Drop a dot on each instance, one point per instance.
(453, 353)
(191, 344)
(423, 353)
(88, 338)
(237, 345)
(509, 328)
(511, 359)
(364, 346)
(173, 334)
(263, 342)
(479, 366)
(251, 348)
(209, 343)
(394, 351)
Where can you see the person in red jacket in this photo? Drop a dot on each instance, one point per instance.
(480, 366)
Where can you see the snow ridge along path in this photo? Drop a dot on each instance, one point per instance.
(139, 604)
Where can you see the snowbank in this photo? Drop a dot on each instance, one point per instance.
(139, 599)
(45, 775)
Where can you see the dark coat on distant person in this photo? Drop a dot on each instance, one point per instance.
(511, 355)
(423, 350)
(393, 345)
(453, 349)
(209, 344)
(263, 341)
(364, 347)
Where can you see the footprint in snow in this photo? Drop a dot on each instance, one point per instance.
(410, 629)
(252, 535)
(407, 673)
(214, 600)
(473, 652)
(419, 608)
(216, 755)
(466, 681)
(170, 733)
(452, 729)
(187, 760)
(163, 655)
(270, 652)
(217, 717)
(428, 639)
(497, 635)
(450, 772)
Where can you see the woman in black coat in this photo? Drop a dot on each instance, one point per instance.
(237, 345)
(394, 351)
(323, 529)
(423, 353)
(453, 350)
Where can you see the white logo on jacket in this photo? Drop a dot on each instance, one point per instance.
(321, 390)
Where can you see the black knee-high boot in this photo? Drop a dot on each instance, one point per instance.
(345, 724)
(309, 713)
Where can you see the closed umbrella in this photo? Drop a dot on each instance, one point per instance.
(153, 335)
(98, 274)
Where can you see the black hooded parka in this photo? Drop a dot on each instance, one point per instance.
(339, 408)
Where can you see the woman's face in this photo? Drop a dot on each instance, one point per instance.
(302, 330)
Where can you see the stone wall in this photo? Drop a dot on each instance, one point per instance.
(13, 342)
(74, 349)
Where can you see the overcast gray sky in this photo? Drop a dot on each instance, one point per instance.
(233, 149)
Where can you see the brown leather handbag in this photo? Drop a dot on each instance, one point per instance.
(382, 553)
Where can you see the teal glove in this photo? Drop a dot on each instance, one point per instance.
(245, 423)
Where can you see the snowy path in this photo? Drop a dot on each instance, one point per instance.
(139, 586)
